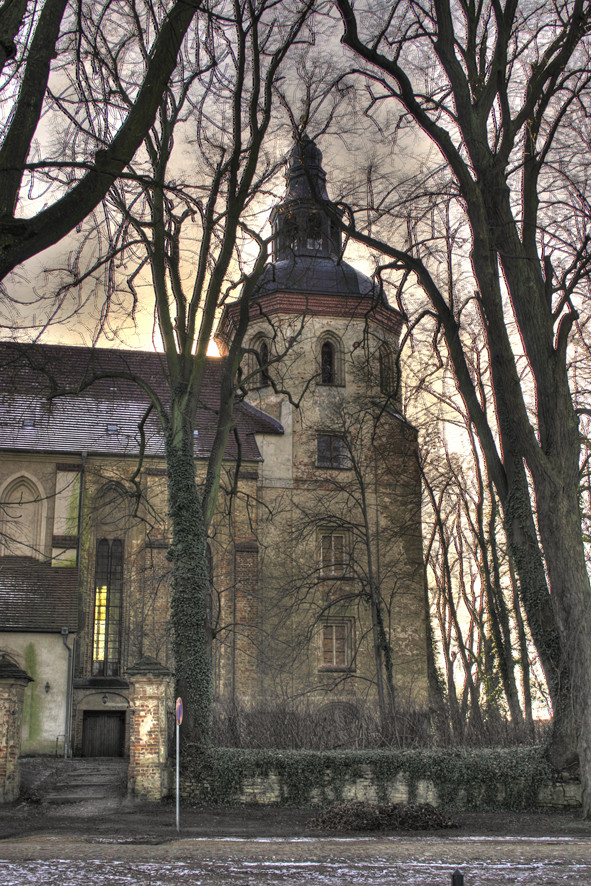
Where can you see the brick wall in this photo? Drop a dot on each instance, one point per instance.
(149, 693)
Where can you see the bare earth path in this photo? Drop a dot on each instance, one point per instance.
(83, 845)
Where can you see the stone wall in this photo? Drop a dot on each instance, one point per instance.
(515, 779)
(13, 681)
(554, 796)
(266, 791)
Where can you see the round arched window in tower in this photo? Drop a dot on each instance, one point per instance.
(386, 366)
(327, 363)
(331, 360)
(260, 356)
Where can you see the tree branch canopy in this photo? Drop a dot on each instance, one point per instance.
(21, 237)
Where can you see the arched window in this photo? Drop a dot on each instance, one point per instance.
(108, 594)
(264, 363)
(258, 363)
(327, 363)
(386, 370)
(21, 519)
(331, 360)
(289, 233)
(314, 231)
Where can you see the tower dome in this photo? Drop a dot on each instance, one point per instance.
(307, 239)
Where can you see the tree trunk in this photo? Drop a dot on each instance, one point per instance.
(560, 529)
(190, 586)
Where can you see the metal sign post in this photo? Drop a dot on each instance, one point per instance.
(179, 720)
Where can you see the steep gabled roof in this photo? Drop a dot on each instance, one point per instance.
(103, 419)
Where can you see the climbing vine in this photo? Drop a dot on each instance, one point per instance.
(484, 779)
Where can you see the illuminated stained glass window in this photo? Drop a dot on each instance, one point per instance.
(106, 645)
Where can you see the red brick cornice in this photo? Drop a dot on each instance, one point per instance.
(310, 304)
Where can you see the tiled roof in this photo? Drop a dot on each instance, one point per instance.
(36, 596)
(321, 274)
(104, 417)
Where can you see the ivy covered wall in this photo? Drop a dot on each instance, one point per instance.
(484, 779)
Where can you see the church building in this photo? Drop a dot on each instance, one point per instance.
(318, 589)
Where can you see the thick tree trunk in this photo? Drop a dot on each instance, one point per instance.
(190, 585)
(560, 529)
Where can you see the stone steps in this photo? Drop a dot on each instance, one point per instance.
(71, 781)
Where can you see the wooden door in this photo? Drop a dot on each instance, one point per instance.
(103, 734)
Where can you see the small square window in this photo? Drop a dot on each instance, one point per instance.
(332, 452)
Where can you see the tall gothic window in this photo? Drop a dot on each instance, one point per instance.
(106, 643)
(330, 356)
(258, 363)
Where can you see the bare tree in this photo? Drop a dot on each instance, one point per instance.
(50, 67)
(500, 91)
(189, 229)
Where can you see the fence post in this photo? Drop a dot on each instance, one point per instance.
(457, 878)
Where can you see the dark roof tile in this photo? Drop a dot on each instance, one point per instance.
(104, 417)
(36, 596)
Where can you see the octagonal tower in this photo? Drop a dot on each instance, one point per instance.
(340, 552)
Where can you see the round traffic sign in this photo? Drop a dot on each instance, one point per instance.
(179, 711)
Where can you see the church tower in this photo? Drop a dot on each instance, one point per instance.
(341, 614)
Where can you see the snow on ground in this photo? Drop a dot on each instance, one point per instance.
(272, 873)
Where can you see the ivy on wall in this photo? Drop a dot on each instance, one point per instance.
(484, 779)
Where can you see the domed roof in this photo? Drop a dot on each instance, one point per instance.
(307, 243)
(318, 274)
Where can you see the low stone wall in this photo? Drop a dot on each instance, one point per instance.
(513, 779)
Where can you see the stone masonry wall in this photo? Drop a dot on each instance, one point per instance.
(516, 779)
(266, 790)
(13, 681)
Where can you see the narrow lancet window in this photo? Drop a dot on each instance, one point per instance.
(106, 644)
(327, 363)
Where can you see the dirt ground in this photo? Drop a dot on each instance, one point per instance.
(119, 843)
(156, 823)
